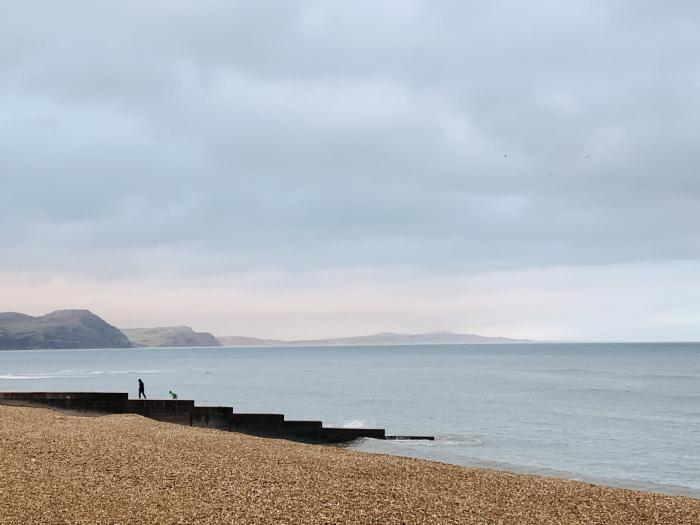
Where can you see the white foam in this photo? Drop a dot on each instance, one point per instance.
(20, 377)
(121, 372)
(355, 423)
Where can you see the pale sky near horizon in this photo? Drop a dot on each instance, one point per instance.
(323, 168)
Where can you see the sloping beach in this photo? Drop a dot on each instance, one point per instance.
(59, 468)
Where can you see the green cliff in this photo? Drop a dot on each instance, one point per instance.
(169, 336)
(59, 329)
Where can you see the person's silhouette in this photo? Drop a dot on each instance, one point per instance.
(142, 391)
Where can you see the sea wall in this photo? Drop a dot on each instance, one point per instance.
(168, 410)
(113, 403)
(184, 412)
(341, 435)
(219, 418)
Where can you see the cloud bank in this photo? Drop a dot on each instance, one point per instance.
(202, 144)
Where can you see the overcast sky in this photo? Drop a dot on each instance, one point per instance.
(322, 168)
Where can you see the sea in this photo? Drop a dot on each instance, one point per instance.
(624, 415)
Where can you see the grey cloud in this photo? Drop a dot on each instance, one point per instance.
(205, 137)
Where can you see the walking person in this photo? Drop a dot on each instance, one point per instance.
(142, 391)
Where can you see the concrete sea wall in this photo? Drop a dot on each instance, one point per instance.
(184, 412)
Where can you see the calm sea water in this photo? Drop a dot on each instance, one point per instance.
(621, 414)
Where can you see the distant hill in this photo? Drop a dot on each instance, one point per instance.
(238, 340)
(59, 329)
(83, 329)
(444, 338)
(172, 336)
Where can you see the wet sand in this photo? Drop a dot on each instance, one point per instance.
(125, 469)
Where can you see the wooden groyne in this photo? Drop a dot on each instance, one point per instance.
(184, 412)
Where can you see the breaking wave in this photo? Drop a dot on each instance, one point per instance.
(355, 423)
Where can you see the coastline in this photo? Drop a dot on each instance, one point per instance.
(604, 415)
(374, 447)
(59, 468)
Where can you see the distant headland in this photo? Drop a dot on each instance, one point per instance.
(59, 329)
(387, 338)
(170, 336)
(73, 329)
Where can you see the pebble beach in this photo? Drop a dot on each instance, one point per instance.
(58, 468)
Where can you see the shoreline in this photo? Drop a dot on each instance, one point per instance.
(59, 468)
(548, 472)
(605, 417)
(360, 445)
(380, 446)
